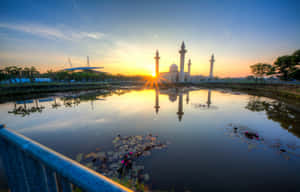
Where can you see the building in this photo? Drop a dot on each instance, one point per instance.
(83, 68)
(177, 74)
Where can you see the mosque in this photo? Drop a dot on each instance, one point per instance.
(179, 75)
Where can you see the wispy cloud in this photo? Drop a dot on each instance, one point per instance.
(49, 32)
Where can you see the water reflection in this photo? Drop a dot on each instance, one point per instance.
(209, 98)
(24, 108)
(156, 101)
(197, 151)
(277, 111)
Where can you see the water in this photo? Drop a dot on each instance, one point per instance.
(202, 132)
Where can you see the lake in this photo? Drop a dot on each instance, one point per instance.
(177, 139)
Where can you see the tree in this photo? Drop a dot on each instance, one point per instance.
(285, 65)
(296, 58)
(261, 70)
(32, 73)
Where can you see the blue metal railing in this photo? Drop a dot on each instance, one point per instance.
(32, 167)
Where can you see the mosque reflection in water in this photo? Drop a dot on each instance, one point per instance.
(28, 107)
(275, 110)
(179, 93)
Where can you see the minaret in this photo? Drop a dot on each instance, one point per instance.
(212, 60)
(189, 70)
(87, 61)
(182, 52)
(156, 101)
(157, 64)
(180, 107)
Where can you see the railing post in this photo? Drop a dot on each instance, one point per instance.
(9, 168)
(51, 180)
(33, 167)
(35, 174)
(65, 184)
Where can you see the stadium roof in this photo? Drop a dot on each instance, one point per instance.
(82, 68)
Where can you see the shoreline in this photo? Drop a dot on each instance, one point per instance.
(285, 92)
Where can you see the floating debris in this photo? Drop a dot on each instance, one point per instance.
(254, 140)
(124, 163)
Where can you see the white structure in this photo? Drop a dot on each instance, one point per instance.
(157, 64)
(189, 71)
(173, 73)
(182, 52)
(212, 60)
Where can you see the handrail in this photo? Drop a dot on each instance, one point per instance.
(23, 154)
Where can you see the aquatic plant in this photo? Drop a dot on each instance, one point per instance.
(124, 163)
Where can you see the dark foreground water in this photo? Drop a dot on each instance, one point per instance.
(176, 139)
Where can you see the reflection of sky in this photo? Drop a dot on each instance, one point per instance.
(123, 36)
(137, 108)
(197, 141)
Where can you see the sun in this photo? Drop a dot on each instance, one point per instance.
(153, 74)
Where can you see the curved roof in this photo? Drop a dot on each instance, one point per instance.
(82, 68)
(173, 68)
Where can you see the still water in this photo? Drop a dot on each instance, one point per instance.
(185, 139)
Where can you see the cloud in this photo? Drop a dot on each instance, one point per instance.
(49, 32)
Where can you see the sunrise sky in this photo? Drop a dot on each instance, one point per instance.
(122, 36)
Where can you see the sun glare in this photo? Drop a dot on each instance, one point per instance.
(153, 74)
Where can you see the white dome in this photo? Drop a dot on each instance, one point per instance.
(173, 68)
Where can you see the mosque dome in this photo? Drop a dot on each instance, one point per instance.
(173, 68)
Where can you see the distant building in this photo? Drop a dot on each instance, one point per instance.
(84, 68)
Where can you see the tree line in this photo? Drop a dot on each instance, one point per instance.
(285, 67)
(12, 73)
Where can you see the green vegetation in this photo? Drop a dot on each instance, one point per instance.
(286, 67)
(285, 92)
(261, 70)
(88, 76)
(13, 72)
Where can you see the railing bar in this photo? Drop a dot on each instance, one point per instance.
(35, 174)
(81, 176)
(16, 168)
(21, 160)
(65, 184)
(9, 169)
(51, 180)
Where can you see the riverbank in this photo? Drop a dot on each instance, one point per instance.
(10, 92)
(289, 93)
(286, 92)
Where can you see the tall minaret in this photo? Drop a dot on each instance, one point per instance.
(212, 60)
(180, 107)
(189, 70)
(182, 52)
(157, 64)
(87, 61)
